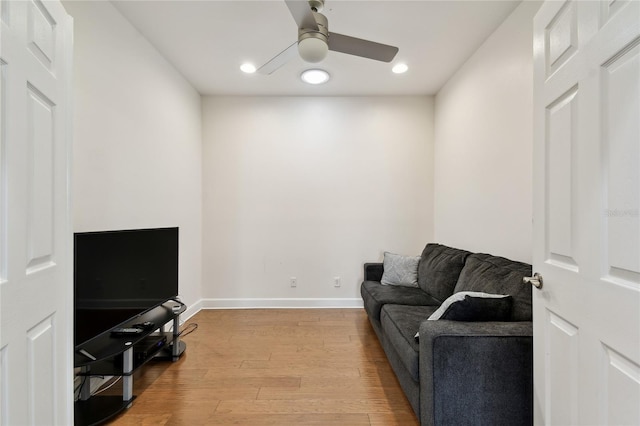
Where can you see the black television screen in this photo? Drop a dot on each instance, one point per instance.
(120, 274)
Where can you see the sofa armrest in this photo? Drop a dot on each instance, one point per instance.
(476, 373)
(373, 271)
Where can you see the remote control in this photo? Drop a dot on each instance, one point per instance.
(147, 325)
(126, 331)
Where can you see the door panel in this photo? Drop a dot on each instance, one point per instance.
(561, 38)
(4, 385)
(562, 372)
(3, 177)
(40, 119)
(586, 212)
(41, 33)
(41, 359)
(621, 155)
(620, 395)
(560, 180)
(36, 319)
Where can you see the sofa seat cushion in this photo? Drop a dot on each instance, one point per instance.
(439, 269)
(399, 325)
(375, 295)
(497, 275)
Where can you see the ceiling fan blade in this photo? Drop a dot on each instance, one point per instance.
(359, 47)
(280, 59)
(302, 14)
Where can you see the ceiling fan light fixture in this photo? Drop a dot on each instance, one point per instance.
(313, 47)
(248, 68)
(315, 76)
(400, 68)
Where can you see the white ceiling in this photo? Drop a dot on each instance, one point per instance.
(208, 40)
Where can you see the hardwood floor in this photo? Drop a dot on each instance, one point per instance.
(273, 367)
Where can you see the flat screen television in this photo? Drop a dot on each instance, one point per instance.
(121, 274)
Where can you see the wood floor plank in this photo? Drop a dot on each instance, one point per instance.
(272, 367)
(290, 419)
(132, 419)
(328, 354)
(156, 405)
(349, 383)
(286, 371)
(311, 406)
(268, 341)
(202, 393)
(392, 419)
(337, 391)
(308, 363)
(234, 381)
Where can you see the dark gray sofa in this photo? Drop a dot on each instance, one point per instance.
(458, 373)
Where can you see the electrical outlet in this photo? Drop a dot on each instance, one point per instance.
(336, 281)
(293, 281)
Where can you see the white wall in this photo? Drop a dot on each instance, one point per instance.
(483, 145)
(137, 137)
(311, 187)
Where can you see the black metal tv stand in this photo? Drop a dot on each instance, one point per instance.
(109, 355)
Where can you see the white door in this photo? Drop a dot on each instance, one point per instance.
(586, 213)
(36, 285)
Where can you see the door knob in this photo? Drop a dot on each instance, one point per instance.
(535, 280)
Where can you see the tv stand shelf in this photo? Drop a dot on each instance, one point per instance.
(121, 356)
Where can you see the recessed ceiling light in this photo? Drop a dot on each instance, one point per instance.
(315, 76)
(400, 68)
(248, 68)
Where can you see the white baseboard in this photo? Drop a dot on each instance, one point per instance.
(191, 311)
(280, 303)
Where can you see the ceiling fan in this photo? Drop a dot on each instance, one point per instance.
(315, 40)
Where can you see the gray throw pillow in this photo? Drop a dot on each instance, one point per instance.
(400, 270)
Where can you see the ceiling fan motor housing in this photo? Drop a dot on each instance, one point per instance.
(313, 45)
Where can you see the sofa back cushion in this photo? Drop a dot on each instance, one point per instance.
(497, 275)
(439, 269)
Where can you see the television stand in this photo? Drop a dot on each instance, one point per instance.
(109, 355)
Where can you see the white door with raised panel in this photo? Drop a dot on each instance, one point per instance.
(586, 213)
(36, 286)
